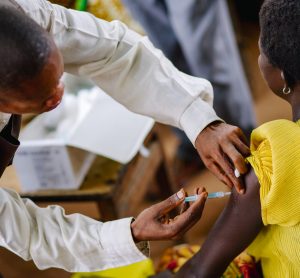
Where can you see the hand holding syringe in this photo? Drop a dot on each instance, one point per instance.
(212, 195)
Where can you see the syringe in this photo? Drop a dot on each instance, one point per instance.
(212, 195)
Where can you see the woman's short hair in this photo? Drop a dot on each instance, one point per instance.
(280, 36)
(24, 48)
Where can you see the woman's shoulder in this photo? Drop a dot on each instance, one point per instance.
(276, 132)
(275, 158)
(277, 140)
(277, 124)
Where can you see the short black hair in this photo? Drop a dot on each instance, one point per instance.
(24, 48)
(280, 36)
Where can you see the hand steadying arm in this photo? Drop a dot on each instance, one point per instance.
(222, 147)
(236, 228)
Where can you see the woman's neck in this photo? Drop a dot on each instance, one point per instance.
(296, 115)
(294, 100)
(295, 111)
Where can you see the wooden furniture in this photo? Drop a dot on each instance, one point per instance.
(117, 189)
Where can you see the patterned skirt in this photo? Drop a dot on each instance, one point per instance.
(242, 266)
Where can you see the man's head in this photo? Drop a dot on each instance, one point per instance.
(30, 65)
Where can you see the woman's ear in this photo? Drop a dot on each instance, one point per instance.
(286, 89)
(282, 76)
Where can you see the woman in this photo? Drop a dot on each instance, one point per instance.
(267, 218)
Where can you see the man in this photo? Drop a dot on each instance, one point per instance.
(128, 68)
(137, 75)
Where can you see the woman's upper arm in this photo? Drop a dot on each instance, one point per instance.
(234, 230)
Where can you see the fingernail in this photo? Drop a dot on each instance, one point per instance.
(237, 173)
(180, 194)
(242, 191)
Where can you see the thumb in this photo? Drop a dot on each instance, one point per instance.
(169, 204)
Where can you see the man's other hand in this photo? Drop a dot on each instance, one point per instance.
(222, 148)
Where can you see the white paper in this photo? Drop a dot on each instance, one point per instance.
(96, 123)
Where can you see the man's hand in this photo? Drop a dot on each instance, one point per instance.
(222, 148)
(154, 223)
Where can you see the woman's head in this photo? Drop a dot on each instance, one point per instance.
(280, 43)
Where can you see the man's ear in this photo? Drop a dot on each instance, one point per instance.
(53, 100)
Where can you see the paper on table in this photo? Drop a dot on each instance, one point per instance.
(111, 130)
(97, 124)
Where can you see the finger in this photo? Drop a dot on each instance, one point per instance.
(240, 134)
(239, 163)
(235, 157)
(212, 165)
(241, 147)
(237, 160)
(237, 183)
(221, 167)
(169, 204)
(225, 166)
(241, 144)
(187, 219)
(230, 175)
(185, 205)
(198, 191)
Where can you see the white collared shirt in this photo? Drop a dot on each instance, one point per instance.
(73, 242)
(126, 66)
(4, 118)
(132, 71)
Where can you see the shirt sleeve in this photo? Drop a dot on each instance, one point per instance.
(275, 158)
(75, 243)
(127, 67)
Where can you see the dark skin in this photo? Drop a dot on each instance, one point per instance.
(154, 222)
(222, 148)
(232, 233)
(241, 220)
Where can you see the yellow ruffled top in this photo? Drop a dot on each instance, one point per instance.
(275, 158)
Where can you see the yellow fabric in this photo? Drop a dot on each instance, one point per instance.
(275, 158)
(108, 10)
(113, 10)
(141, 269)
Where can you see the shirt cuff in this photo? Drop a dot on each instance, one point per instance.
(116, 239)
(196, 117)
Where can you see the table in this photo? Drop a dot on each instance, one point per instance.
(117, 189)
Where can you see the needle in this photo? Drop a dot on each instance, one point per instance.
(212, 195)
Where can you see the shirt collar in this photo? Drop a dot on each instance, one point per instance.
(4, 118)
